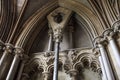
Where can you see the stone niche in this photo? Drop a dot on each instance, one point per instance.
(80, 37)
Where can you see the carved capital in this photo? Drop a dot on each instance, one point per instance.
(98, 41)
(109, 34)
(116, 26)
(58, 20)
(58, 35)
(19, 51)
(9, 47)
(50, 32)
(96, 52)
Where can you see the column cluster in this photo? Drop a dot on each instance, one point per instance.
(109, 53)
(104, 60)
(9, 60)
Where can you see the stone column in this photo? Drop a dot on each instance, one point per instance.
(6, 60)
(73, 74)
(110, 36)
(20, 70)
(71, 35)
(47, 75)
(50, 44)
(24, 60)
(108, 70)
(18, 54)
(104, 75)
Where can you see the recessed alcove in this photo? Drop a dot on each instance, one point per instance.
(80, 37)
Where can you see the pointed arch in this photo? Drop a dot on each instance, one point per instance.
(94, 26)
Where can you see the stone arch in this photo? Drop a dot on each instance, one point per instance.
(86, 14)
(88, 60)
